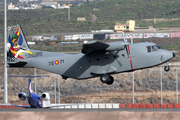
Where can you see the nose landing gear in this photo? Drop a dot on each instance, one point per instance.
(166, 68)
(106, 79)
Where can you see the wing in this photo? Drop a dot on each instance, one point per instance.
(24, 106)
(60, 105)
(93, 46)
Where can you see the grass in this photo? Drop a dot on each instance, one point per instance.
(172, 47)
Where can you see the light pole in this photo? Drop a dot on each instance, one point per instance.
(5, 54)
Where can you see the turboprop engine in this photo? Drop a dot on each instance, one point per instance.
(22, 96)
(45, 96)
(115, 46)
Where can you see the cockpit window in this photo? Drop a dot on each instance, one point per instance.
(157, 46)
(148, 48)
(152, 48)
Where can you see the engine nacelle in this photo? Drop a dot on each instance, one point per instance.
(114, 46)
(22, 96)
(45, 96)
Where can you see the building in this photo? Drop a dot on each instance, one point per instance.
(47, 0)
(129, 26)
(11, 6)
(27, 0)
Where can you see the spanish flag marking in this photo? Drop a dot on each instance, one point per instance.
(56, 62)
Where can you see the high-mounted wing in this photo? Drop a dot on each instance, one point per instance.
(93, 46)
(24, 106)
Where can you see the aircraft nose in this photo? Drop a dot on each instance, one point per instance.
(174, 55)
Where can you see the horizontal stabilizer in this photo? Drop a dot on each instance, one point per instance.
(17, 64)
(24, 106)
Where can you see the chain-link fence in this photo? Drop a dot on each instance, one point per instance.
(147, 87)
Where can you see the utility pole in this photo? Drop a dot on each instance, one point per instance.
(133, 86)
(5, 54)
(55, 88)
(176, 85)
(69, 12)
(161, 84)
(154, 22)
(35, 80)
(59, 88)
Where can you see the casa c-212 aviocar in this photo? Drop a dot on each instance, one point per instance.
(96, 59)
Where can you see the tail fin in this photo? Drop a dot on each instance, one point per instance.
(30, 87)
(16, 37)
(17, 45)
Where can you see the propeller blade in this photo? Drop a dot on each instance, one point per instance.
(127, 51)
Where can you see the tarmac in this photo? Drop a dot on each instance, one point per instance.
(90, 114)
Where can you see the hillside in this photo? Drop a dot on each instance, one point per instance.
(8, 1)
(99, 15)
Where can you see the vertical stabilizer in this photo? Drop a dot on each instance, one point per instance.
(30, 87)
(17, 46)
(16, 37)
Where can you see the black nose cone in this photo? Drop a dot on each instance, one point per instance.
(174, 55)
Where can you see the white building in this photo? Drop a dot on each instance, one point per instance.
(27, 0)
(11, 6)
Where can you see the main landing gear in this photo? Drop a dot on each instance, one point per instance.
(106, 79)
(167, 68)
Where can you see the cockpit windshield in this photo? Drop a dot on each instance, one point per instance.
(157, 47)
(152, 48)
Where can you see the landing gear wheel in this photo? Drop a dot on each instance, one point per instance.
(111, 80)
(166, 68)
(104, 78)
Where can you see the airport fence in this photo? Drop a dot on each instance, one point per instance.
(148, 88)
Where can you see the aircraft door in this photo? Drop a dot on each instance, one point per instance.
(82, 70)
